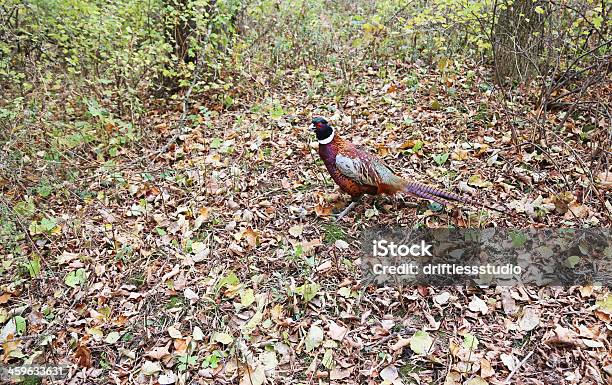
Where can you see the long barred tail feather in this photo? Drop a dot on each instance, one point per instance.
(441, 196)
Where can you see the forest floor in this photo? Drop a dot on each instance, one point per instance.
(217, 261)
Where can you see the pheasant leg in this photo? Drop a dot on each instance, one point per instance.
(346, 210)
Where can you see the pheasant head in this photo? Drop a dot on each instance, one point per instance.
(325, 132)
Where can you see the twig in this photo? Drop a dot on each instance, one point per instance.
(513, 372)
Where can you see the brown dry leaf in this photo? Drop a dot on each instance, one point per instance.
(460, 154)
(453, 378)
(205, 212)
(235, 248)
(253, 377)
(310, 245)
(476, 381)
(296, 230)
(586, 291)
(4, 298)
(391, 88)
(576, 210)
(486, 370)
(158, 353)
(400, 344)
(407, 144)
(508, 303)
(323, 210)
(389, 373)
(83, 356)
(563, 336)
(509, 360)
(9, 346)
(180, 345)
(252, 236)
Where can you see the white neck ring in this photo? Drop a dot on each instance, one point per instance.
(328, 139)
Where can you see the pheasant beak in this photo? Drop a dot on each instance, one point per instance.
(312, 127)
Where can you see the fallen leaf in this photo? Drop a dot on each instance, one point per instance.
(476, 381)
(4, 298)
(149, 368)
(174, 332)
(157, 353)
(83, 356)
(341, 244)
(529, 320)
(508, 303)
(478, 305)
(486, 370)
(421, 342)
(442, 298)
(253, 377)
(509, 361)
(313, 338)
(197, 334)
(296, 230)
(223, 338)
(389, 373)
(112, 337)
(167, 378)
(251, 236)
(336, 332)
(400, 344)
(339, 374)
(476, 180)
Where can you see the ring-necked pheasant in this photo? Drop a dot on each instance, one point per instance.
(358, 172)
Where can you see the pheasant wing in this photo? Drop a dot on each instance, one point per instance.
(357, 169)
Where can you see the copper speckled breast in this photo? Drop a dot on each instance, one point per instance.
(354, 189)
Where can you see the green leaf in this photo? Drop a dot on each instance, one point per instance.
(33, 266)
(421, 342)
(605, 304)
(25, 208)
(417, 146)
(48, 224)
(539, 10)
(328, 359)
(597, 21)
(440, 159)
(75, 278)
(247, 297)
(470, 342)
(112, 337)
(572, 261)
(160, 231)
(229, 280)
(308, 291)
(344, 292)
(216, 143)
(45, 190)
(476, 180)
(20, 324)
(518, 238)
